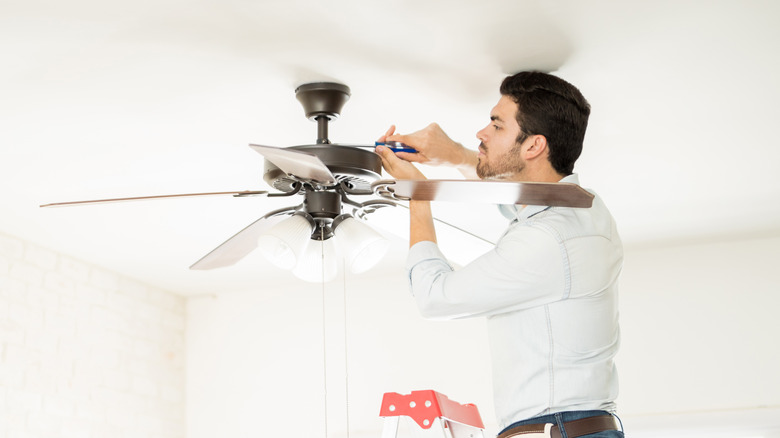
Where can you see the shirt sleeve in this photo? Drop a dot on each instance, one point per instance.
(527, 268)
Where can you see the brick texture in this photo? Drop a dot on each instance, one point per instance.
(85, 352)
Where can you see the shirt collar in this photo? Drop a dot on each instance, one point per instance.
(519, 211)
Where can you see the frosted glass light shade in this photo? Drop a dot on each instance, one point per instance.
(363, 247)
(318, 257)
(284, 243)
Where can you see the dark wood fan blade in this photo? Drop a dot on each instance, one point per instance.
(240, 245)
(142, 198)
(299, 164)
(493, 192)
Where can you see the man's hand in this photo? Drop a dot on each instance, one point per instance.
(420, 217)
(434, 147)
(396, 167)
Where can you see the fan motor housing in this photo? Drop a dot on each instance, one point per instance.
(355, 166)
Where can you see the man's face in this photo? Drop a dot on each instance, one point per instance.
(499, 153)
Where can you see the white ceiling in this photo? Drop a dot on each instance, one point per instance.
(106, 99)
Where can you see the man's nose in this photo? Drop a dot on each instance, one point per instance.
(481, 134)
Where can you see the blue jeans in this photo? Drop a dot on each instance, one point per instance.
(561, 417)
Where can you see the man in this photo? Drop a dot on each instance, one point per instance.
(549, 287)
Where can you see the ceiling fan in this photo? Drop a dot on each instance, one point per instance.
(329, 175)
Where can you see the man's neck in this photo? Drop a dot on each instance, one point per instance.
(535, 175)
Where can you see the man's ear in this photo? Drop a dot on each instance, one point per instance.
(537, 148)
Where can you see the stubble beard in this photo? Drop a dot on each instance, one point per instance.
(506, 166)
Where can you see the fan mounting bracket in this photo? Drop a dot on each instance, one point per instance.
(322, 102)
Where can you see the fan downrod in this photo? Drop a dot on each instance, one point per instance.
(322, 102)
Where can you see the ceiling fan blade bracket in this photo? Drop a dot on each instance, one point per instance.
(347, 188)
(283, 211)
(347, 200)
(296, 189)
(371, 206)
(313, 183)
(249, 193)
(385, 189)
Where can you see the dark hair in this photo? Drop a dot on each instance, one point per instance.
(547, 105)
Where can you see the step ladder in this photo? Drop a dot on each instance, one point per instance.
(427, 408)
(455, 420)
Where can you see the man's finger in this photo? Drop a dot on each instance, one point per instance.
(396, 167)
(386, 155)
(388, 158)
(397, 137)
(416, 157)
(389, 132)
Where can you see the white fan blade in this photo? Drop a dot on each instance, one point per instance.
(238, 246)
(493, 192)
(299, 164)
(144, 198)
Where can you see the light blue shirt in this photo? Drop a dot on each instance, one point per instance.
(549, 292)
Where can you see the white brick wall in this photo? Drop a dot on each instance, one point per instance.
(85, 352)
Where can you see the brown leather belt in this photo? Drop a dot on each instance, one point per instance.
(574, 428)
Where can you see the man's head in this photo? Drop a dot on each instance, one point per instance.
(548, 117)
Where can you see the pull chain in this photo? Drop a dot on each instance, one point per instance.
(346, 356)
(324, 338)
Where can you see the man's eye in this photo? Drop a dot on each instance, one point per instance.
(496, 127)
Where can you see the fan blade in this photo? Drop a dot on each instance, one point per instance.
(241, 244)
(142, 198)
(298, 164)
(494, 192)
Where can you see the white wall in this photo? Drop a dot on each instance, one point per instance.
(700, 335)
(701, 327)
(85, 352)
(699, 338)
